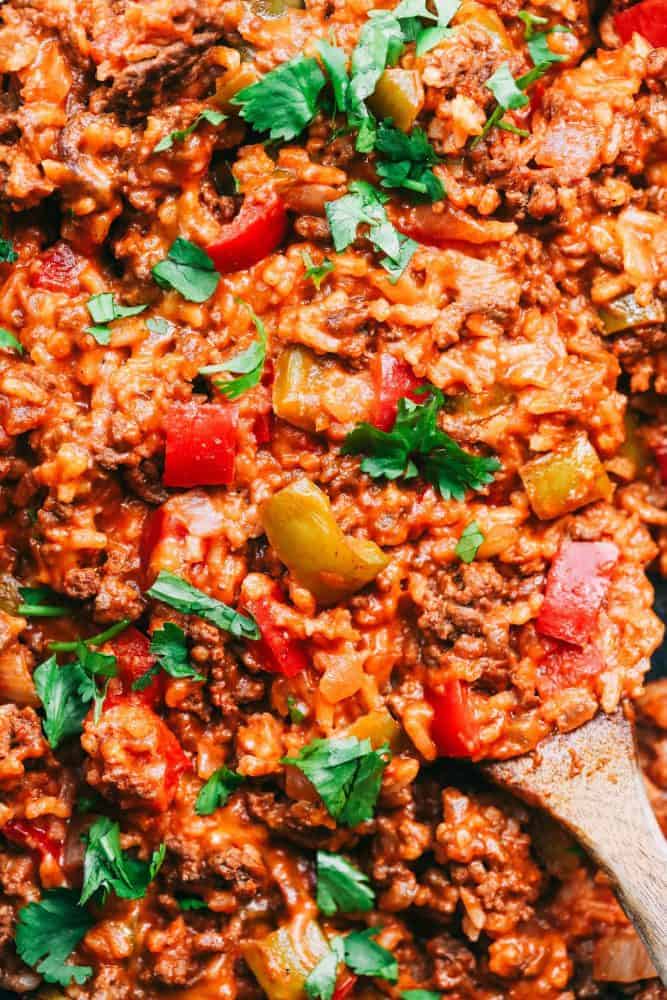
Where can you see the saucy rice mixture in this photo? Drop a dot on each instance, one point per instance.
(332, 345)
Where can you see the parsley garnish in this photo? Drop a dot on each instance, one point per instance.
(360, 953)
(416, 446)
(217, 790)
(66, 692)
(408, 162)
(170, 650)
(469, 542)
(347, 774)
(179, 134)
(107, 868)
(284, 101)
(191, 903)
(47, 933)
(341, 886)
(189, 270)
(103, 310)
(536, 41)
(316, 272)
(181, 595)
(9, 341)
(38, 602)
(248, 364)
(364, 205)
(8, 254)
(381, 42)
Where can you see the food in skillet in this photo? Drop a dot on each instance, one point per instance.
(310, 443)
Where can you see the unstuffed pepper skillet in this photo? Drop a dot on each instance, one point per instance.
(320, 481)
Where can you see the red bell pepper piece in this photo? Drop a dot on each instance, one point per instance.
(576, 587)
(201, 444)
(132, 650)
(346, 983)
(261, 428)
(33, 835)
(661, 459)
(58, 270)
(453, 729)
(566, 666)
(279, 652)
(648, 19)
(393, 380)
(256, 231)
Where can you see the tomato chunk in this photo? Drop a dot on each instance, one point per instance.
(393, 380)
(132, 650)
(565, 666)
(648, 19)
(201, 444)
(453, 729)
(256, 231)
(58, 270)
(576, 587)
(279, 652)
(35, 836)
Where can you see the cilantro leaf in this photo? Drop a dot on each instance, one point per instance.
(103, 310)
(216, 791)
(364, 205)
(316, 272)
(159, 325)
(296, 713)
(380, 43)
(47, 933)
(469, 542)
(420, 995)
(39, 602)
(537, 41)
(409, 162)
(59, 690)
(417, 446)
(8, 254)
(347, 774)
(249, 364)
(341, 886)
(360, 953)
(169, 648)
(284, 101)
(335, 63)
(428, 38)
(181, 595)
(189, 270)
(107, 868)
(179, 134)
(321, 982)
(191, 903)
(504, 88)
(9, 341)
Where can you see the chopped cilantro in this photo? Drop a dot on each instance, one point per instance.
(469, 542)
(364, 205)
(159, 325)
(316, 272)
(8, 254)
(380, 43)
(504, 88)
(9, 342)
(408, 162)
(347, 774)
(420, 995)
(341, 886)
(217, 790)
(181, 595)
(416, 446)
(284, 101)
(537, 41)
(39, 602)
(361, 954)
(191, 903)
(107, 868)
(170, 650)
(248, 364)
(335, 63)
(179, 134)
(65, 707)
(47, 933)
(103, 310)
(296, 713)
(189, 270)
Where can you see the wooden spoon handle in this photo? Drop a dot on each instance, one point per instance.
(591, 782)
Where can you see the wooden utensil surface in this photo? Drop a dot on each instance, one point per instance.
(590, 781)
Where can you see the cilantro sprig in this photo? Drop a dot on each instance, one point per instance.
(170, 649)
(67, 691)
(216, 791)
(347, 774)
(8, 254)
(47, 932)
(9, 342)
(469, 542)
(341, 887)
(316, 272)
(103, 310)
(416, 446)
(284, 101)
(180, 134)
(248, 365)
(364, 206)
(181, 595)
(360, 953)
(408, 162)
(41, 602)
(107, 868)
(189, 270)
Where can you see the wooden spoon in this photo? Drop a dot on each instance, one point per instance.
(590, 781)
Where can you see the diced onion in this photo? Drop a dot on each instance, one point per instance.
(620, 957)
